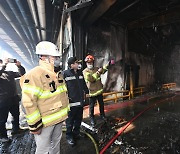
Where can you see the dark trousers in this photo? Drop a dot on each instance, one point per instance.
(73, 122)
(9, 105)
(92, 101)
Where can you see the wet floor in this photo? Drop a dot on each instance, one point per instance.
(155, 131)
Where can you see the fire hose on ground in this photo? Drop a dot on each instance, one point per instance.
(111, 141)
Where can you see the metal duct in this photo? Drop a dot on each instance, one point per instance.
(42, 19)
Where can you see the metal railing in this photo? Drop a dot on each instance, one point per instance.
(139, 90)
(115, 95)
(167, 86)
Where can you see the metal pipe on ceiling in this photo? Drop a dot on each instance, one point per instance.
(33, 13)
(42, 19)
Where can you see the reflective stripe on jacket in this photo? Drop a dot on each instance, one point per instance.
(93, 80)
(44, 97)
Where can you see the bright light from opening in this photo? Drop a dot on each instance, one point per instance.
(4, 54)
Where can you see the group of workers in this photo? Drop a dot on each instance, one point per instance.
(51, 97)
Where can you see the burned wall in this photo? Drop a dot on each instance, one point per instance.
(174, 66)
(105, 42)
(168, 66)
(142, 69)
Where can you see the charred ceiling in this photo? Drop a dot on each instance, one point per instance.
(153, 25)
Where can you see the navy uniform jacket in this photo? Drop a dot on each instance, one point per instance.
(76, 87)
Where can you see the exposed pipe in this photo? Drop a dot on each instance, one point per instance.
(42, 19)
(33, 13)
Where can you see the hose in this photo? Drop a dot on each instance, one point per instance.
(90, 136)
(93, 140)
(124, 127)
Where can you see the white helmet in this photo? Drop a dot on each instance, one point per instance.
(47, 48)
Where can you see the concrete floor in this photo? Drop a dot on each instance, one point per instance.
(155, 131)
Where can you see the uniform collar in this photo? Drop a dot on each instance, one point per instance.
(46, 65)
(72, 70)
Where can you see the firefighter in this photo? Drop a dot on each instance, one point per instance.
(93, 80)
(9, 99)
(76, 91)
(44, 97)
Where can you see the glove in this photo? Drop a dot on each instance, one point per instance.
(111, 62)
(100, 70)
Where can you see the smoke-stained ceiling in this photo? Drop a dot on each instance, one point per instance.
(154, 24)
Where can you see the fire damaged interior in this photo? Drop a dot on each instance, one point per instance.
(142, 36)
(143, 39)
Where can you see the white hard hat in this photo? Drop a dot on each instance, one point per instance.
(47, 48)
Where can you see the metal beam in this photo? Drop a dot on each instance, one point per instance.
(79, 5)
(99, 10)
(125, 8)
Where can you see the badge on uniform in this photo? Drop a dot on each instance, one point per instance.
(26, 81)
